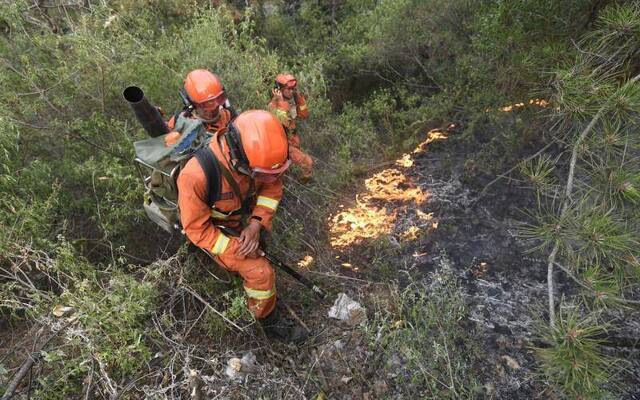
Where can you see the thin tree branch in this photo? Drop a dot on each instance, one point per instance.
(504, 174)
(27, 364)
(209, 306)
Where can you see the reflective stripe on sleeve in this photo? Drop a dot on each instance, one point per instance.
(221, 244)
(267, 202)
(302, 107)
(259, 294)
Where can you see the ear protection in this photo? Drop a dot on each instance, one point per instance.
(186, 101)
(239, 159)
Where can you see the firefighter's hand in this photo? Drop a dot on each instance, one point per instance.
(256, 254)
(249, 238)
(277, 93)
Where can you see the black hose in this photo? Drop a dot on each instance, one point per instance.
(148, 116)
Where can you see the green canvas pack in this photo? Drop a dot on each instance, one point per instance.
(161, 166)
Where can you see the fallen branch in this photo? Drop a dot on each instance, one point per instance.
(209, 306)
(295, 316)
(27, 364)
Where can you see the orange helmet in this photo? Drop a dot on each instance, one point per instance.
(204, 88)
(285, 80)
(258, 145)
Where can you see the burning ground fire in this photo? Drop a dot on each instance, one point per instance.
(387, 193)
(517, 106)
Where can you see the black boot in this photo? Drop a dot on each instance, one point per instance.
(277, 326)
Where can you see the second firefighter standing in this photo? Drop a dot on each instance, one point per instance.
(288, 104)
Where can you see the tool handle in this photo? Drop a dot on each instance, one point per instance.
(296, 275)
(292, 272)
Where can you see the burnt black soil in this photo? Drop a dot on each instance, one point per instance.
(505, 286)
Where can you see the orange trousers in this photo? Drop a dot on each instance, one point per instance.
(258, 275)
(299, 157)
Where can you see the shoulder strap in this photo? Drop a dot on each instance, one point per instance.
(246, 201)
(211, 168)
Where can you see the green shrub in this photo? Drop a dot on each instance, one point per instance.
(424, 326)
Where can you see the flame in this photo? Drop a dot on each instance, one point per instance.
(432, 136)
(411, 234)
(539, 102)
(517, 106)
(424, 216)
(406, 161)
(511, 107)
(376, 209)
(391, 185)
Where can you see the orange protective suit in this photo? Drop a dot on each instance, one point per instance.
(198, 219)
(287, 114)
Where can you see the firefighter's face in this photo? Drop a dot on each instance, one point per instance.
(287, 92)
(208, 110)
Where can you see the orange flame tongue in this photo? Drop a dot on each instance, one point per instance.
(387, 192)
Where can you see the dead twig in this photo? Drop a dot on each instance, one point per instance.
(504, 174)
(209, 306)
(196, 385)
(295, 316)
(27, 364)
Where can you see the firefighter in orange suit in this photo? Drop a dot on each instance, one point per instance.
(285, 92)
(252, 154)
(207, 98)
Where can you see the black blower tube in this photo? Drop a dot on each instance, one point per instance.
(148, 116)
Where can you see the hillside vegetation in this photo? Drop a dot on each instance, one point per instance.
(538, 102)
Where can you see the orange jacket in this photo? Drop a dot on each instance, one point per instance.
(198, 217)
(223, 120)
(282, 108)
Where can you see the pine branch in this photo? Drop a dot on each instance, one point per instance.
(504, 174)
(591, 290)
(567, 199)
